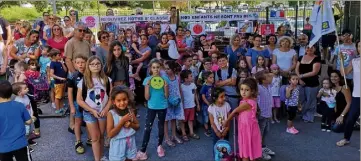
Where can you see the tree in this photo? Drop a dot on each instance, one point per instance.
(61, 5)
(5, 4)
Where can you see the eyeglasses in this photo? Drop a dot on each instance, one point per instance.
(95, 64)
(81, 30)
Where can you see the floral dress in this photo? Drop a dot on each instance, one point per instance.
(175, 108)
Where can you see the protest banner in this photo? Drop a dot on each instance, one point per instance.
(219, 17)
(197, 28)
(245, 27)
(90, 21)
(267, 29)
(134, 18)
(168, 27)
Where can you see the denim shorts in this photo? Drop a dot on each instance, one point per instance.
(77, 114)
(89, 118)
(204, 111)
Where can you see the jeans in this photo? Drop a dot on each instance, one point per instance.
(148, 127)
(352, 117)
(21, 154)
(310, 103)
(264, 125)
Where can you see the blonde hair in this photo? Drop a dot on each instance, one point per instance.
(88, 75)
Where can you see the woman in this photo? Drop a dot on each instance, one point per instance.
(234, 50)
(57, 40)
(68, 28)
(205, 49)
(271, 44)
(47, 29)
(24, 28)
(285, 57)
(162, 53)
(143, 58)
(102, 50)
(26, 48)
(254, 52)
(307, 69)
(343, 100)
(180, 41)
(354, 112)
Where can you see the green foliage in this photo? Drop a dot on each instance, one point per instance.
(6, 4)
(12, 14)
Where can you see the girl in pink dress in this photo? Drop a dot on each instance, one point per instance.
(249, 135)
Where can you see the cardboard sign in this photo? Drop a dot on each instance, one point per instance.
(197, 28)
(245, 27)
(219, 17)
(168, 27)
(267, 29)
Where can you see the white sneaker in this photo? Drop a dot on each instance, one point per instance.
(104, 158)
(266, 156)
(53, 105)
(268, 151)
(328, 130)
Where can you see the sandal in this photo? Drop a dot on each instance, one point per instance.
(185, 138)
(342, 143)
(177, 140)
(195, 136)
(169, 143)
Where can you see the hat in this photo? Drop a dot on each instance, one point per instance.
(210, 37)
(274, 66)
(286, 37)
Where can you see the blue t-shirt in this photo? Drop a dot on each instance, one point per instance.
(43, 61)
(229, 90)
(13, 116)
(189, 41)
(157, 100)
(153, 41)
(254, 53)
(58, 71)
(232, 55)
(207, 91)
(349, 52)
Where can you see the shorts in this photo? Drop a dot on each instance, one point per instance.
(276, 103)
(205, 116)
(189, 114)
(121, 149)
(59, 90)
(77, 114)
(291, 111)
(89, 118)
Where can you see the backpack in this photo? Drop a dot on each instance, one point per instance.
(84, 89)
(222, 151)
(283, 93)
(38, 87)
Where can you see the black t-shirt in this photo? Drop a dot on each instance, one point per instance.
(164, 53)
(305, 68)
(73, 82)
(4, 24)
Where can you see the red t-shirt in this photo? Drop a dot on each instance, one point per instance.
(58, 45)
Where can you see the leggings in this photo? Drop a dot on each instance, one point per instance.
(22, 154)
(148, 127)
(352, 117)
(291, 111)
(327, 114)
(34, 106)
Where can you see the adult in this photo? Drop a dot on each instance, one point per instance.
(16, 30)
(24, 29)
(26, 48)
(102, 50)
(173, 15)
(307, 69)
(68, 28)
(140, 25)
(300, 48)
(180, 40)
(281, 31)
(47, 28)
(57, 39)
(307, 28)
(73, 16)
(117, 68)
(153, 40)
(143, 58)
(162, 53)
(40, 26)
(348, 51)
(5, 27)
(157, 28)
(76, 46)
(205, 49)
(271, 41)
(354, 112)
(343, 101)
(285, 57)
(253, 53)
(234, 50)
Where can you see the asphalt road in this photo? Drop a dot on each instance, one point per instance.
(57, 144)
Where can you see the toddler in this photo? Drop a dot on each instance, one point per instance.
(327, 104)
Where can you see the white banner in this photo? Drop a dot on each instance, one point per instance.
(168, 27)
(134, 18)
(219, 17)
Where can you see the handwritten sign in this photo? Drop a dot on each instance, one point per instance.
(219, 17)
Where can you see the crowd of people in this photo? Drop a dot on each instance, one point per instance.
(175, 75)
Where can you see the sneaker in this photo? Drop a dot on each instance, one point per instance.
(71, 130)
(53, 105)
(79, 147)
(89, 142)
(323, 130)
(104, 158)
(31, 150)
(208, 133)
(328, 130)
(160, 151)
(291, 131)
(266, 156)
(33, 136)
(194, 136)
(32, 143)
(295, 130)
(141, 156)
(272, 122)
(268, 151)
(60, 111)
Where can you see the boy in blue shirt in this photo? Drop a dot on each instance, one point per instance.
(58, 73)
(13, 117)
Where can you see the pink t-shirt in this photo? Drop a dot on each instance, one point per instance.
(58, 45)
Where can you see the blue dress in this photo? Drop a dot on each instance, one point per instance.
(174, 112)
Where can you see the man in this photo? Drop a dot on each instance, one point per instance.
(76, 46)
(40, 26)
(157, 29)
(173, 15)
(301, 46)
(5, 27)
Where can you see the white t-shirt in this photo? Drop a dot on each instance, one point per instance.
(219, 114)
(356, 77)
(26, 102)
(276, 85)
(172, 50)
(189, 92)
(284, 59)
(97, 96)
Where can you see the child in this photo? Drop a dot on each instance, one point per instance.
(51, 83)
(175, 111)
(121, 127)
(74, 107)
(32, 72)
(13, 142)
(195, 62)
(187, 65)
(135, 54)
(157, 96)
(226, 78)
(264, 101)
(292, 98)
(92, 96)
(19, 70)
(58, 72)
(249, 135)
(206, 96)
(190, 102)
(207, 65)
(275, 90)
(327, 104)
(242, 64)
(243, 74)
(215, 66)
(189, 39)
(218, 113)
(260, 66)
(172, 47)
(20, 90)
(44, 59)
(128, 35)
